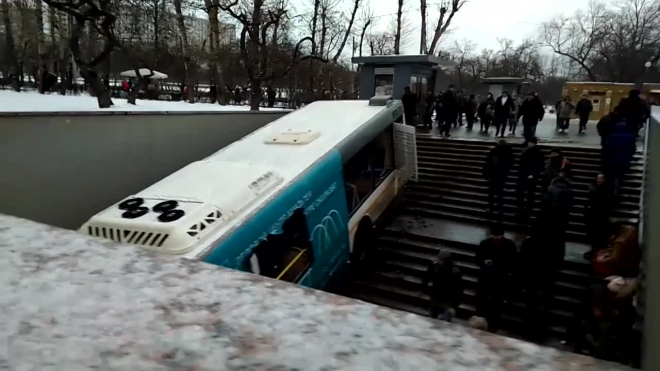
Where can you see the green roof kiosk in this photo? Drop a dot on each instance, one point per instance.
(390, 74)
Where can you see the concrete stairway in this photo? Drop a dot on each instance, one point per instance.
(446, 209)
(451, 184)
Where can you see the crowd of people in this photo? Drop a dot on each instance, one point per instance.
(510, 273)
(449, 107)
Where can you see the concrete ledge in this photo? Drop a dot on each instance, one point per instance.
(138, 113)
(70, 302)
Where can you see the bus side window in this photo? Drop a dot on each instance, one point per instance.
(287, 255)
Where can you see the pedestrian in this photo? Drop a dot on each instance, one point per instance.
(446, 286)
(583, 110)
(460, 107)
(428, 113)
(557, 109)
(270, 93)
(471, 107)
(238, 99)
(486, 112)
(532, 162)
(540, 264)
(619, 150)
(439, 113)
(565, 110)
(213, 92)
(532, 113)
(497, 258)
(556, 163)
(555, 211)
(496, 170)
(409, 101)
(515, 115)
(634, 110)
(449, 108)
(599, 208)
(503, 108)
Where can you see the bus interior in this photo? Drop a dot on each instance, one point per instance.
(364, 172)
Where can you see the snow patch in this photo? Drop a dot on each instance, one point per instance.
(11, 101)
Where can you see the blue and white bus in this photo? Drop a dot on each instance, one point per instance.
(287, 201)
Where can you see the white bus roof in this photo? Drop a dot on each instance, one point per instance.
(237, 180)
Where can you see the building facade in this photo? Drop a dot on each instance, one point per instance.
(605, 96)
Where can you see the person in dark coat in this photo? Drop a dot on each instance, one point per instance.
(238, 96)
(449, 109)
(557, 108)
(496, 170)
(446, 286)
(471, 107)
(597, 214)
(555, 164)
(555, 210)
(532, 112)
(634, 110)
(270, 93)
(439, 113)
(583, 110)
(213, 91)
(486, 112)
(460, 107)
(504, 106)
(619, 150)
(497, 258)
(532, 162)
(409, 101)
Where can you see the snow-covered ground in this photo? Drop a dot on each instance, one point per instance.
(11, 101)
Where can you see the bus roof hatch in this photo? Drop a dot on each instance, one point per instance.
(381, 100)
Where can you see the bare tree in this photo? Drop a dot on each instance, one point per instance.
(444, 20)
(366, 19)
(101, 18)
(576, 37)
(256, 55)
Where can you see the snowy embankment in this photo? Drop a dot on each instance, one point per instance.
(11, 101)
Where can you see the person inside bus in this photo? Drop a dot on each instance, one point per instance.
(446, 286)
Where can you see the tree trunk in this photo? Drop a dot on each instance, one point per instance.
(91, 77)
(10, 50)
(422, 43)
(315, 18)
(41, 51)
(255, 94)
(187, 59)
(399, 21)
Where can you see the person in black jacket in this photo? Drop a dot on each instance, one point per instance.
(497, 258)
(599, 208)
(409, 101)
(460, 107)
(449, 108)
(497, 167)
(634, 110)
(532, 164)
(471, 107)
(504, 106)
(446, 286)
(532, 112)
(583, 110)
(555, 211)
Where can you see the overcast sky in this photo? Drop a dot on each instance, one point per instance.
(482, 21)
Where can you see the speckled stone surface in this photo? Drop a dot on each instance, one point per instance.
(69, 302)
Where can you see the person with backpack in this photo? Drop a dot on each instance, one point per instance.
(496, 170)
(446, 286)
(486, 112)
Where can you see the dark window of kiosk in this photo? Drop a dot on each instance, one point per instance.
(367, 169)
